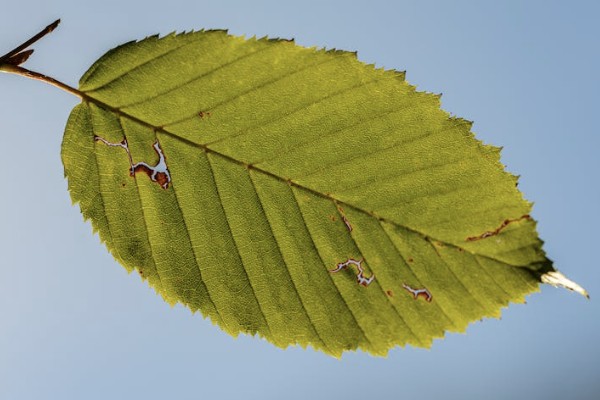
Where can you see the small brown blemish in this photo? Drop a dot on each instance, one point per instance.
(204, 114)
(410, 259)
(389, 293)
(360, 277)
(332, 218)
(460, 249)
(344, 219)
(416, 293)
(348, 225)
(434, 247)
(496, 231)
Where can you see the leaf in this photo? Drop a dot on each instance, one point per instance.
(296, 193)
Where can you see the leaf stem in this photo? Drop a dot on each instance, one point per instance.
(15, 69)
(10, 62)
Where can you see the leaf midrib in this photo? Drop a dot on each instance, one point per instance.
(159, 129)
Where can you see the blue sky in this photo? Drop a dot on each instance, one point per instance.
(75, 325)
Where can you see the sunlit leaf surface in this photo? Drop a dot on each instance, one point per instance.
(296, 193)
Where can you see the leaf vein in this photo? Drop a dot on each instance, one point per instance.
(414, 273)
(301, 107)
(327, 134)
(214, 178)
(491, 276)
(195, 78)
(386, 179)
(348, 159)
(100, 193)
(189, 237)
(121, 127)
(458, 279)
(262, 208)
(135, 67)
(315, 248)
(379, 285)
(277, 79)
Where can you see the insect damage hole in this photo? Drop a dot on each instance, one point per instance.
(416, 293)
(360, 275)
(158, 173)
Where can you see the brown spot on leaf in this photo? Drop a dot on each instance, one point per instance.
(344, 218)
(347, 223)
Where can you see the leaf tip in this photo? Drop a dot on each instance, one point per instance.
(557, 279)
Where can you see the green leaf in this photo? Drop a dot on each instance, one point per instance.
(260, 183)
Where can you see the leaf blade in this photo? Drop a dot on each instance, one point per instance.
(279, 174)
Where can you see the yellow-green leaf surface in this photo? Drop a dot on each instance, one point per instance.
(260, 183)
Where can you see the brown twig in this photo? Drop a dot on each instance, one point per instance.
(17, 55)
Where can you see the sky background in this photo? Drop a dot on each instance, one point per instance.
(75, 325)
